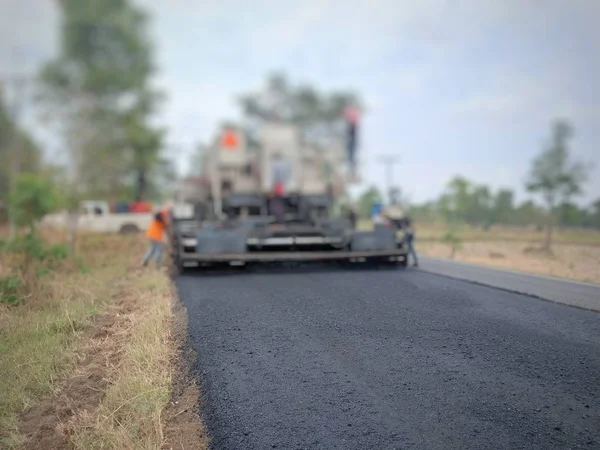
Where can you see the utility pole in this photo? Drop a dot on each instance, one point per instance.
(389, 162)
(19, 84)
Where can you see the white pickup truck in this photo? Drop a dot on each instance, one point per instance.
(95, 216)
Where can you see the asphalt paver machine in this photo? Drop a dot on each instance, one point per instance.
(230, 219)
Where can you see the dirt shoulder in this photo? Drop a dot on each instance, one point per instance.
(571, 261)
(184, 428)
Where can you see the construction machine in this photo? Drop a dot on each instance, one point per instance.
(229, 219)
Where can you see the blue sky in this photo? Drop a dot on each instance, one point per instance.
(452, 86)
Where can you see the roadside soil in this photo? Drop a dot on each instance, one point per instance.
(576, 262)
(184, 429)
(50, 423)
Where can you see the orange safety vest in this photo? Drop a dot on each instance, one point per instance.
(156, 229)
(230, 139)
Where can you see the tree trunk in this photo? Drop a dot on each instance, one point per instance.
(141, 185)
(72, 219)
(549, 229)
(452, 251)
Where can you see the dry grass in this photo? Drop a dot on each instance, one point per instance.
(505, 233)
(575, 254)
(576, 262)
(38, 338)
(48, 344)
(130, 413)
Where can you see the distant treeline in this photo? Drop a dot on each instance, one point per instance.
(477, 204)
(464, 201)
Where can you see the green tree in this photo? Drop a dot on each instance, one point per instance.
(453, 240)
(555, 176)
(98, 90)
(12, 139)
(426, 212)
(366, 201)
(480, 205)
(318, 115)
(571, 215)
(594, 214)
(455, 202)
(503, 207)
(33, 198)
(528, 213)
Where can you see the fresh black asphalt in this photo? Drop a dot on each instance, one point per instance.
(328, 359)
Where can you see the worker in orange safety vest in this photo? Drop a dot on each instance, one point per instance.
(155, 233)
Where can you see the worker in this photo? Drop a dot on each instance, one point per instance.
(277, 203)
(351, 114)
(279, 180)
(352, 216)
(155, 233)
(280, 173)
(378, 215)
(409, 237)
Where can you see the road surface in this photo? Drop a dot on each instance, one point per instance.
(390, 360)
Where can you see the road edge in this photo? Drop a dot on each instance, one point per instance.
(185, 428)
(506, 289)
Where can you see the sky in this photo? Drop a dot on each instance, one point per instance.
(452, 87)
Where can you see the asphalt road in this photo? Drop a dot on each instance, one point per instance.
(390, 360)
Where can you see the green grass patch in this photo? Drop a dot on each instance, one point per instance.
(40, 327)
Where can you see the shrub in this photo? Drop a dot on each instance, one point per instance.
(453, 240)
(9, 290)
(32, 199)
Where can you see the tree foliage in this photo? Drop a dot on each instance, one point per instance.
(504, 210)
(318, 115)
(464, 201)
(554, 175)
(367, 199)
(34, 197)
(453, 240)
(12, 139)
(99, 93)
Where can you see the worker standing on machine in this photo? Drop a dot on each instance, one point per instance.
(279, 179)
(351, 114)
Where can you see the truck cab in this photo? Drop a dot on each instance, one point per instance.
(95, 216)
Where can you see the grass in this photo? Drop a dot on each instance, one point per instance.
(41, 341)
(130, 414)
(575, 252)
(576, 262)
(435, 232)
(38, 340)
